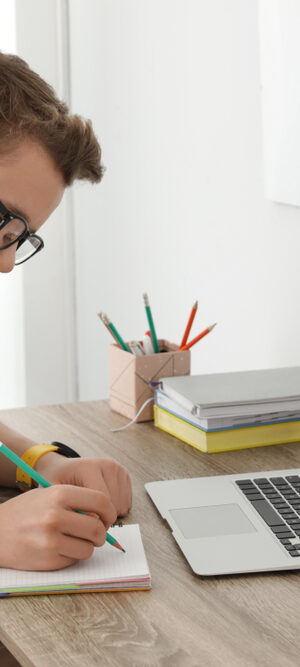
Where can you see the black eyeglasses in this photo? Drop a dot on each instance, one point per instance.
(14, 229)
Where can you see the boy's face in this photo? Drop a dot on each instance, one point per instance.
(31, 186)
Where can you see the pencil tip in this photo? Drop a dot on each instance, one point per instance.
(213, 325)
(123, 550)
(195, 304)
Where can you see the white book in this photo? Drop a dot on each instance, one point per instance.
(108, 569)
(221, 423)
(237, 393)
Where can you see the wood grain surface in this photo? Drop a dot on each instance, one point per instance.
(185, 621)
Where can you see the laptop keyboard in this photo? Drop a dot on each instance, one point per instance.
(277, 501)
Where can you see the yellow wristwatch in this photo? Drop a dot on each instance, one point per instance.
(23, 481)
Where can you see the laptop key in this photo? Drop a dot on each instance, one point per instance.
(284, 540)
(293, 522)
(283, 485)
(249, 492)
(294, 553)
(280, 529)
(267, 513)
(293, 478)
(289, 547)
(247, 484)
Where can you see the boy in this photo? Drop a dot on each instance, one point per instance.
(43, 149)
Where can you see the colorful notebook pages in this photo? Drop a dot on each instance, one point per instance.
(108, 569)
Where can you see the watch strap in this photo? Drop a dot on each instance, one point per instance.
(31, 456)
(65, 450)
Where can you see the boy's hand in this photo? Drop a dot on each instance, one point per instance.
(101, 474)
(40, 529)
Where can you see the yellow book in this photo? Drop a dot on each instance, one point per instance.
(222, 441)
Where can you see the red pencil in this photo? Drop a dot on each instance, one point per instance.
(195, 340)
(189, 325)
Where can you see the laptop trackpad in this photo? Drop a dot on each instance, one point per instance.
(212, 520)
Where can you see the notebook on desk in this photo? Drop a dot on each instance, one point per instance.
(108, 569)
(241, 392)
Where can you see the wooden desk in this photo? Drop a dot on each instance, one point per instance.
(185, 621)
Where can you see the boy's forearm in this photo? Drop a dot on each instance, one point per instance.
(19, 444)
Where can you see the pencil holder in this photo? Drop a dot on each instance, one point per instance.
(131, 377)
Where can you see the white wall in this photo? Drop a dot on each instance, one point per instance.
(12, 375)
(49, 302)
(173, 89)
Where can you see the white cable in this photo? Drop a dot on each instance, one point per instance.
(122, 428)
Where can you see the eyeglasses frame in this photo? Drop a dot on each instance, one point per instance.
(8, 216)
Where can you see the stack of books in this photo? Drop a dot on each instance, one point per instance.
(227, 411)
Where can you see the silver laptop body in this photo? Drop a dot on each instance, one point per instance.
(234, 523)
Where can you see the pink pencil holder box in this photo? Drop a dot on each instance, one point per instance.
(130, 377)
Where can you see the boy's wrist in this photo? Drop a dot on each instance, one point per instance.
(49, 461)
(48, 464)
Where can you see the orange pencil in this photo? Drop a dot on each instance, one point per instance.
(189, 325)
(195, 340)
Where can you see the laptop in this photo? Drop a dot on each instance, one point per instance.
(234, 523)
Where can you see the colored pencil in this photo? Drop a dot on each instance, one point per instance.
(43, 482)
(102, 318)
(189, 324)
(114, 332)
(151, 324)
(195, 340)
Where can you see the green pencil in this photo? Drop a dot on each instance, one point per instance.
(151, 324)
(115, 333)
(43, 482)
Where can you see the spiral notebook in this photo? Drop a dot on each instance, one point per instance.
(108, 569)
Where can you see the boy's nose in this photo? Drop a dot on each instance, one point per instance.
(7, 259)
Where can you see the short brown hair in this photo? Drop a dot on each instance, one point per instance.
(29, 108)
